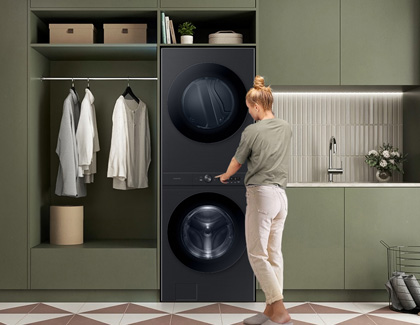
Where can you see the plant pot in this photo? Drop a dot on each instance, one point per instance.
(186, 39)
(383, 175)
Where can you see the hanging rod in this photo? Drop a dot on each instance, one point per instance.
(97, 78)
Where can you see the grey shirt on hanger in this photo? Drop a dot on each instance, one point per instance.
(68, 181)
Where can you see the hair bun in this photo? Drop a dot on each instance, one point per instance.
(259, 82)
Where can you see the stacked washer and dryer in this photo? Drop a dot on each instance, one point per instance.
(203, 113)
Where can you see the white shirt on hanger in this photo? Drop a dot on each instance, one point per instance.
(130, 153)
(87, 138)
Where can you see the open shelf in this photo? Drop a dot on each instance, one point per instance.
(89, 52)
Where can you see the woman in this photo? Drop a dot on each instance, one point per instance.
(265, 146)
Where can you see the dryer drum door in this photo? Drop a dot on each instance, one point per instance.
(206, 102)
(206, 232)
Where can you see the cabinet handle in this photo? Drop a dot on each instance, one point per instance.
(70, 31)
(125, 30)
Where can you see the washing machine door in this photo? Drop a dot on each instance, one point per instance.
(206, 102)
(207, 233)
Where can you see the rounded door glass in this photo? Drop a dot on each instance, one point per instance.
(207, 232)
(206, 102)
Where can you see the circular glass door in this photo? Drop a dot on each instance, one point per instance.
(206, 102)
(206, 232)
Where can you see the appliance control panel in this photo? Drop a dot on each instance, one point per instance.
(203, 179)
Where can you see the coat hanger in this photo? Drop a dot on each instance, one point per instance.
(129, 91)
(88, 87)
(72, 85)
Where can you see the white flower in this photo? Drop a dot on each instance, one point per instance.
(373, 152)
(396, 153)
(392, 161)
(385, 153)
(383, 163)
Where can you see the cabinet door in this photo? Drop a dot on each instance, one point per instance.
(313, 239)
(13, 135)
(298, 42)
(207, 4)
(380, 42)
(372, 215)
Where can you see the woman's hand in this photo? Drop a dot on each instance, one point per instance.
(232, 169)
(223, 178)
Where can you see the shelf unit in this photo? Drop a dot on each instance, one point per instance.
(120, 227)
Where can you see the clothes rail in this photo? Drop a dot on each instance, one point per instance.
(98, 78)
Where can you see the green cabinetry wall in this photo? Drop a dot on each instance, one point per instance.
(299, 42)
(380, 42)
(372, 215)
(14, 146)
(313, 239)
(339, 42)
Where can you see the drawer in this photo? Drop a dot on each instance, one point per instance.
(71, 267)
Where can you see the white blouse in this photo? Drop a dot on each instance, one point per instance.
(130, 153)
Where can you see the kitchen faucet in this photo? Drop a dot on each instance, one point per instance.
(331, 169)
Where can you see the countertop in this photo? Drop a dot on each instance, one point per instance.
(367, 184)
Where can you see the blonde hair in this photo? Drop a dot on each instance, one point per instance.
(260, 94)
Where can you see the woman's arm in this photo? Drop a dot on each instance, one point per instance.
(233, 167)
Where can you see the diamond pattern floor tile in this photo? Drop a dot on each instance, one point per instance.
(223, 313)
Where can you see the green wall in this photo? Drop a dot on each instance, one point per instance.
(14, 145)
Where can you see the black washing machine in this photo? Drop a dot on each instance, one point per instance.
(203, 113)
(203, 110)
(203, 250)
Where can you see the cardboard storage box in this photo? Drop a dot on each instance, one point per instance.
(125, 33)
(72, 34)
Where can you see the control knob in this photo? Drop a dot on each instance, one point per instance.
(207, 178)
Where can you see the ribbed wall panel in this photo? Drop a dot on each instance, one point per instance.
(359, 122)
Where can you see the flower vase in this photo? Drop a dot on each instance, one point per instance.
(186, 39)
(383, 175)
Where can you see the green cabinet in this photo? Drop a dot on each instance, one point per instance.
(372, 215)
(97, 265)
(313, 239)
(339, 42)
(380, 42)
(14, 146)
(299, 42)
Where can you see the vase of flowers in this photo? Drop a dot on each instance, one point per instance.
(386, 160)
(186, 30)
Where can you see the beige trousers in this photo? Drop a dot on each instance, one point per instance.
(266, 213)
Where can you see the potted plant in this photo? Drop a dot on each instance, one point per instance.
(386, 160)
(186, 30)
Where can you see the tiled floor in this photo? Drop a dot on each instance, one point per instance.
(196, 313)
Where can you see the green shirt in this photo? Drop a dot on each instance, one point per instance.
(265, 146)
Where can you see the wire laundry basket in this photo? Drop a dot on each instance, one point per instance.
(403, 260)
